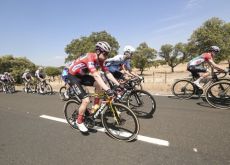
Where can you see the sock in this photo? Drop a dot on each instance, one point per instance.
(80, 119)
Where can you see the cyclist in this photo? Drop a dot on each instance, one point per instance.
(27, 78)
(64, 76)
(78, 74)
(40, 75)
(5, 79)
(120, 63)
(195, 66)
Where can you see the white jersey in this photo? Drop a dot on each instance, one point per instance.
(26, 76)
(115, 61)
(39, 74)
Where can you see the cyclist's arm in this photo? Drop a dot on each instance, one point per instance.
(125, 70)
(215, 66)
(111, 77)
(99, 80)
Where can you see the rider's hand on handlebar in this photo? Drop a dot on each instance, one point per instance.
(110, 92)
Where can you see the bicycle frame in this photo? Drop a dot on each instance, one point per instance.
(106, 100)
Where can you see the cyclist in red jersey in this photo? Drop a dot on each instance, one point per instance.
(79, 74)
(195, 65)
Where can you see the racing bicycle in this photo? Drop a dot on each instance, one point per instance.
(119, 121)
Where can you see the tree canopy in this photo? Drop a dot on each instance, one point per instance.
(84, 45)
(173, 55)
(143, 55)
(213, 32)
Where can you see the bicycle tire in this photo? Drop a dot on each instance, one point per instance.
(1, 87)
(48, 89)
(71, 112)
(183, 89)
(115, 129)
(217, 95)
(142, 103)
(62, 90)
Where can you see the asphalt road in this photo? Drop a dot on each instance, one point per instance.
(195, 132)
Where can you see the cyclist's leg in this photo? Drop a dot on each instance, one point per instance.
(88, 80)
(85, 101)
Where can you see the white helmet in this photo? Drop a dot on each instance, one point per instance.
(40, 68)
(215, 49)
(27, 70)
(129, 49)
(103, 46)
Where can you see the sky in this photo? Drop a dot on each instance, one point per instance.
(41, 29)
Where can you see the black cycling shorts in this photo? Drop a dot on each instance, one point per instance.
(118, 75)
(79, 80)
(195, 70)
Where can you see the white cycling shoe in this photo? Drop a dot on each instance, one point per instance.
(82, 127)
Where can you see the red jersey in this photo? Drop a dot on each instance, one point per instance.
(200, 59)
(85, 64)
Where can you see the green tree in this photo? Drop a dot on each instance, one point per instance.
(174, 55)
(52, 71)
(83, 45)
(142, 55)
(213, 32)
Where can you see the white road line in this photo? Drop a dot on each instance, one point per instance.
(139, 137)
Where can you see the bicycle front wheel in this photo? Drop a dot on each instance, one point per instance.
(142, 103)
(71, 112)
(62, 90)
(218, 95)
(120, 122)
(183, 89)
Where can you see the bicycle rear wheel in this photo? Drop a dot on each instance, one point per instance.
(71, 112)
(218, 95)
(183, 89)
(142, 103)
(122, 123)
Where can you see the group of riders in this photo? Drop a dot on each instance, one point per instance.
(27, 78)
(86, 71)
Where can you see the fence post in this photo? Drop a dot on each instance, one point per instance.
(165, 77)
(153, 77)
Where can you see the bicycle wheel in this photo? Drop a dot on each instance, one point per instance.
(48, 89)
(71, 112)
(120, 122)
(142, 103)
(62, 90)
(183, 89)
(1, 87)
(218, 95)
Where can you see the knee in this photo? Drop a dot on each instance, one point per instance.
(86, 101)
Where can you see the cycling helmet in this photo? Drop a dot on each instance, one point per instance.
(215, 49)
(40, 68)
(6, 73)
(103, 46)
(129, 49)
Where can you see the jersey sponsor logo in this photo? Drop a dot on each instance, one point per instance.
(91, 64)
(76, 67)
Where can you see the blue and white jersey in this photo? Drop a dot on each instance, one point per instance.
(64, 72)
(115, 63)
